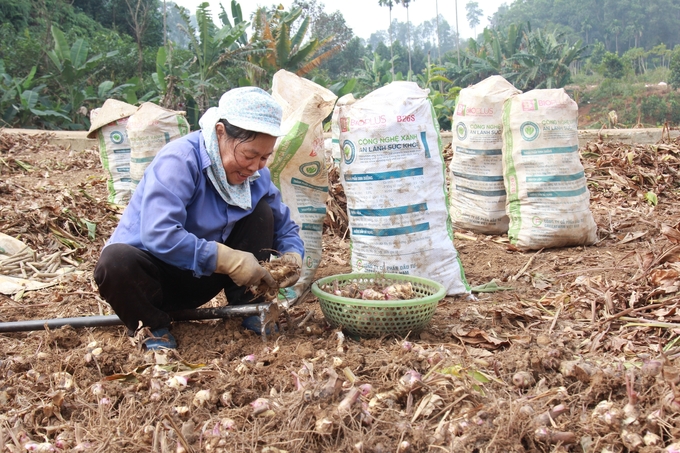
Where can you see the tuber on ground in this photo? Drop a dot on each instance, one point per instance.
(523, 379)
(550, 436)
(547, 417)
(350, 398)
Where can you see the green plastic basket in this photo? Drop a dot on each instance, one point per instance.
(376, 318)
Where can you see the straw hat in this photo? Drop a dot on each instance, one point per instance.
(111, 111)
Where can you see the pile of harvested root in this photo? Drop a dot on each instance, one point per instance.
(280, 271)
(353, 290)
(37, 266)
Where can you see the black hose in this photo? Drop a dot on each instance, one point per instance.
(39, 324)
(113, 320)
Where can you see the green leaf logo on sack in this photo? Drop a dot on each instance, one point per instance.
(117, 137)
(310, 169)
(461, 131)
(529, 131)
(348, 151)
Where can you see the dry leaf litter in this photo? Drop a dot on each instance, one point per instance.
(560, 350)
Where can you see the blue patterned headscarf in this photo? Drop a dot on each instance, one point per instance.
(249, 108)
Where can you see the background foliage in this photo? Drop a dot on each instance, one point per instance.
(59, 59)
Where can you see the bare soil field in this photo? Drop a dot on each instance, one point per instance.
(567, 350)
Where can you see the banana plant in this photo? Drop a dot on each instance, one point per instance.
(216, 49)
(237, 14)
(73, 69)
(443, 99)
(375, 73)
(167, 78)
(343, 87)
(545, 62)
(293, 53)
(21, 104)
(339, 88)
(444, 104)
(528, 59)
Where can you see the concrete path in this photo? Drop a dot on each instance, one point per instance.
(78, 141)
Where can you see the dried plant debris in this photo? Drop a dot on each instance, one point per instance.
(643, 172)
(582, 355)
(337, 221)
(12, 142)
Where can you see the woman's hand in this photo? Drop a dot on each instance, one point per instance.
(242, 267)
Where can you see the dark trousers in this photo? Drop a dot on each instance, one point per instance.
(141, 287)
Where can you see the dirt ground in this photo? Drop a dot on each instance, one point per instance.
(578, 353)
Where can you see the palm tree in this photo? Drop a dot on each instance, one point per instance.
(389, 4)
(638, 28)
(473, 14)
(457, 32)
(439, 49)
(615, 28)
(408, 34)
(586, 26)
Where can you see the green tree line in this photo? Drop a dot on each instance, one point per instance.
(59, 59)
(619, 24)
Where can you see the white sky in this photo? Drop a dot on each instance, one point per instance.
(366, 16)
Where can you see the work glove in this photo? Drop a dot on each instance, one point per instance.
(242, 267)
(295, 260)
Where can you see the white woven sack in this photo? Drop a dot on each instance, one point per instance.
(298, 164)
(335, 152)
(477, 193)
(393, 174)
(114, 155)
(149, 129)
(547, 197)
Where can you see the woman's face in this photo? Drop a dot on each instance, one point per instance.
(242, 159)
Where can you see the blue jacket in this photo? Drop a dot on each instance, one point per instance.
(176, 214)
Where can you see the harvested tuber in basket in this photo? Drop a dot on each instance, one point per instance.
(375, 305)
